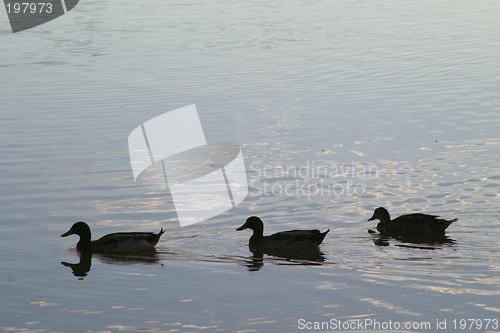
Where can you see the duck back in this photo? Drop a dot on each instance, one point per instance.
(416, 223)
(126, 242)
(290, 240)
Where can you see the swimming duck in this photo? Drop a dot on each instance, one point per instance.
(416, 223)
(112, 243)
(285, 240)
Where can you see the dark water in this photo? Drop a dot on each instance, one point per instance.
(339, 108)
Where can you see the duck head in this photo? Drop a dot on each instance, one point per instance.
(81, 229)
(381, 214)
(254, 223)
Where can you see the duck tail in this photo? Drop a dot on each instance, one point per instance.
(446, 223)
(154, 238)
(321, 237)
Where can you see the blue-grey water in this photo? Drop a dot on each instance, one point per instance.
(339, 107)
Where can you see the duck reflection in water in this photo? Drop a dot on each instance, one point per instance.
(426, 242)
(82, 268)
(284, 257)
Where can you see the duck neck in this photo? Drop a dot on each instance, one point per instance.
(258, 233)
(85, 242)
(385, 218)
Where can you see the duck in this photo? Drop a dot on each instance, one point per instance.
(416, 223)
(284, 240)
(119, 242)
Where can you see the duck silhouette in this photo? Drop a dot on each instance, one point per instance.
(284, 240)
(416, 223)
(119, 242)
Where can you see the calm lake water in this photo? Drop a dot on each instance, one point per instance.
(338, 107)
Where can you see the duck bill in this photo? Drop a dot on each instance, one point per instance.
(67, 233)
(243, 227)
(372, 218)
